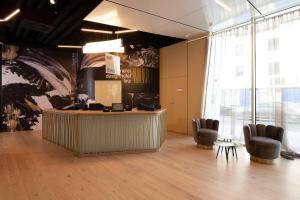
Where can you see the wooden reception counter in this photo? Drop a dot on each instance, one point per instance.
(90, 132)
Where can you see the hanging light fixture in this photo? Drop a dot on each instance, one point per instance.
(125, 31)
(52, 2)
(104, 47)
(96, 31)
(11, 15)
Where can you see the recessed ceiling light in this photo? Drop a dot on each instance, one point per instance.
(11, 15)
(96, 31)
(125, 31)
(69, 46)
(223, 5)
(52, 2)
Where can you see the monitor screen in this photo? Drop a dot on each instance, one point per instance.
(117, 107)
(95, 106)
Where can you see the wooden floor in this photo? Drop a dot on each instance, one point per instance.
(31, 168)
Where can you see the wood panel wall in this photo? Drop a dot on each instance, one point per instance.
(182, 78)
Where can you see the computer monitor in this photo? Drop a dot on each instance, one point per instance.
(96, 106)
(117, 107)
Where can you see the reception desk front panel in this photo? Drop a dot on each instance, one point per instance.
(88, 132)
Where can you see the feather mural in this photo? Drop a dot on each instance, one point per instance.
(32, 80)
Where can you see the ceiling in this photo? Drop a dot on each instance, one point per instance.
(42, 24)
(182, 19)
(160, 22)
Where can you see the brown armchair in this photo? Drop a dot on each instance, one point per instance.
(205, 132)
(263, 143)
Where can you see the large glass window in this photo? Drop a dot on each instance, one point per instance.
(229, 81)
(278, 75)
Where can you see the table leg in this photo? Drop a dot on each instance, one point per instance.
(218, 152)
(226, 152)
(235, 153)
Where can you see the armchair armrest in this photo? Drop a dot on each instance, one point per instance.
(195, 124)
(216, 125)
(280, 134)
(247, 136)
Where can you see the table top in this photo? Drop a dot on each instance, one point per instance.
(225, 144)
(225, 137)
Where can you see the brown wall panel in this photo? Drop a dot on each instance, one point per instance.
(173, 86)
(173, 62)
(196, 79)
(177, 104)
(182, 78)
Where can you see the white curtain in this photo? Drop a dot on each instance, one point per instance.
(229, 82)
(278, 75)
(228, 93)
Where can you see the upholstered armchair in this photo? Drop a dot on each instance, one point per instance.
(263, 143)
(205, 132)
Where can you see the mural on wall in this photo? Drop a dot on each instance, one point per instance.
(139, 74)
(36, 79)
(139, 56)
(33, 80)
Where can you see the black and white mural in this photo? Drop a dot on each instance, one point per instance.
(139, 74)
(33, 80)
(140, 56)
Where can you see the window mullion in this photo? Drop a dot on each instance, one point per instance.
(253, 69)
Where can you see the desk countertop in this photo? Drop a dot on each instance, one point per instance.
(96, 112)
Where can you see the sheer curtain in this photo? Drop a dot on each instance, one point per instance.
(228, 92)
(278, 75)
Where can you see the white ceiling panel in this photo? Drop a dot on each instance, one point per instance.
(198, 19)
(117, 15)
(176, 30)
(172, 9)
(178, 18)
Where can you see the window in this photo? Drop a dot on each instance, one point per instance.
(239, 50)
(239, 71)
(278, 99)
(275, 81)
(274, 68)
(229, 97)
(273, 44)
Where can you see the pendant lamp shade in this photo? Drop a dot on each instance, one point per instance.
(104, 47)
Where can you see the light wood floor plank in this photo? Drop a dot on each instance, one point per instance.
(32, 168)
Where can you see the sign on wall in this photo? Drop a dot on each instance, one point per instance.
(112, 64)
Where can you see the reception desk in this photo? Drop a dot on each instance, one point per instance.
(94, 132)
